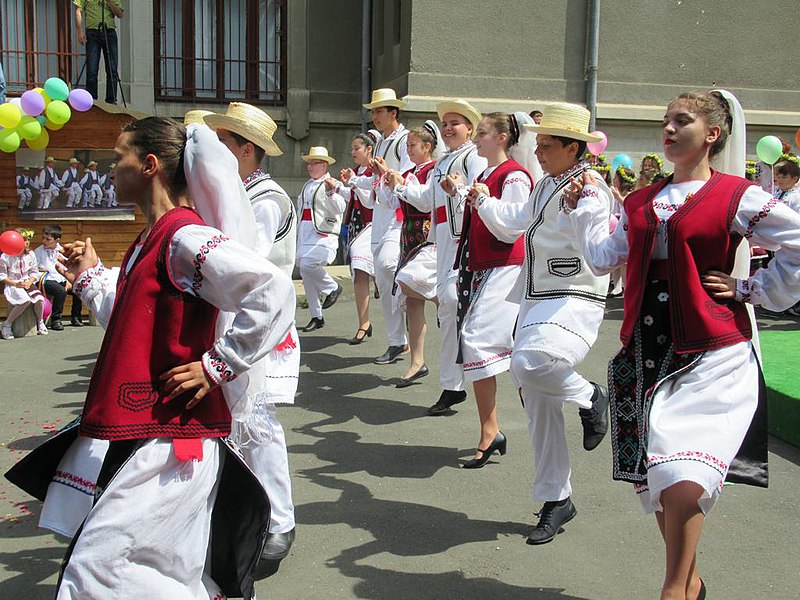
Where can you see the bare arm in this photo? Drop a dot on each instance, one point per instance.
(118, 11)
(79, 26)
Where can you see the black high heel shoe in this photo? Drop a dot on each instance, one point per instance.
(701, 595)
(357, 339)
(499, 443)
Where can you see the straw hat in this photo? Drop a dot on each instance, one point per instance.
(49, 159)
(252, 123)
(318, 153)
(195, 117)
(73, 161)
(92, 163)
(112, 166)
(463, 108)
(384, 97)
(565, 120)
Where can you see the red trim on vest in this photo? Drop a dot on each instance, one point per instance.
(441, 215)
(485, 250)
(699, 240)
(366, 213)
(153, 328)
(306, 214)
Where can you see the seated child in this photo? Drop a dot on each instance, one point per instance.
(20, 274)
(787, 176)
(55, 285)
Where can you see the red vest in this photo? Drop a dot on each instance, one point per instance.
(699, 239)
(485, 250)
(409, 210)
(154, 327)
(357, 210)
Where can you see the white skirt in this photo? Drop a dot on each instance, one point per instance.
(697, 423)
(360, 252)
(487, 333)
(419, 274)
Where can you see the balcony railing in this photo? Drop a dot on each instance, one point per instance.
(36, 42)
(220, 50)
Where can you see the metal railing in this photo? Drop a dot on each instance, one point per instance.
(220, 50)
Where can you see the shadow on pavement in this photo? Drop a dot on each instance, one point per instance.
(33, 566)
(784, 450)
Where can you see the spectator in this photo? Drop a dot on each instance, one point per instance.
(787, 176)
(55, 285)
(2, 85)
(19, 274)
(100, 34)
(536, 115)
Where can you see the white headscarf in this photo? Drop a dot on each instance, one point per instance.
(433, 128)
(524, 151)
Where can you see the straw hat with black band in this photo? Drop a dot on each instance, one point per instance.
(562, 119)
(463, 108)
(252, 123)
(384, 97)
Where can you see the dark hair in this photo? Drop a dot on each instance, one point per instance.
(788, 168)
(535, 113)
(565, 141)
(396, 111)
(53, 230)
(366, 138)
(503, 123)
(627, 179)
(241, 141)
(716, 113)
(166, 139)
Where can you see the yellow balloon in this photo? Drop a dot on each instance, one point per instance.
(53, 126)
(10, 116)
(29, 128)
(47, 98)
(41, 142)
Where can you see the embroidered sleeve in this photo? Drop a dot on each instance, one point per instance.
(743, 290)
(419, 195)
(587, 227)
(510, 215)
(772, 225)
(217, 368)
(97, 288)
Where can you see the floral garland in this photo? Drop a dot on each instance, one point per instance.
(656, 158)
(627, 176)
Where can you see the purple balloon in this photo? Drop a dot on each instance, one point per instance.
(32, 103)
(80, 100)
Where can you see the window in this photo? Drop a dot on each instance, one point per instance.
(220, 50)
(36, 42)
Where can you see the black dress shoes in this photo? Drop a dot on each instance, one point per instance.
(331, 298)
(277, 546)
(446, 400)
(499, 443)
(315, 323)
(76, 322)
(595, 419)
(361, 335)
(56, 325)
(391, 355)
(552, 516)
(407, 381)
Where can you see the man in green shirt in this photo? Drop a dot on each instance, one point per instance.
(100, 35)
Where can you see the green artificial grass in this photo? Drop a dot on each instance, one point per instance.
(780, 352)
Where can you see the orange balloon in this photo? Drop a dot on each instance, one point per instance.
(797, 138)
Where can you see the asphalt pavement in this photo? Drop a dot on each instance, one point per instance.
(383, 509)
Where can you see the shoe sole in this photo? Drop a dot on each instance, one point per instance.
(550, 539)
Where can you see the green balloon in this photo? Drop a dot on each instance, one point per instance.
(58, 112)
(9, 140)
(56, 88)
(9, 115)
(29, 128)
(769, 149)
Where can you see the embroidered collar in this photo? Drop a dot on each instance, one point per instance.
(466, 144)
(571, 172)
(419, 167)
(400, 129)
(254, 175)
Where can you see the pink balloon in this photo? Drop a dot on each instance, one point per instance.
(597, 147)
(80, 100)
(32, 103)
(12, 243)
(47, 309)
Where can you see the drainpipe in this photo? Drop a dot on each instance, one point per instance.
(366, 57)
(593, 45)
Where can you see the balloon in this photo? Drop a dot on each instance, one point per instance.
(29, 128)
(32, 103)
(53, 126)
(43, 94)
(58, 112)
(12, 243)
(9, 116)
(621, 160)
(42, 120)
(41, 142)
(80, 100)
(47, 308)
(597, 147)
(797, 138)
(56, 88)
(769, 149)
(9, 140)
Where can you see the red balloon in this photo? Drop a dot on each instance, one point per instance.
(11, 243)
(797, 138)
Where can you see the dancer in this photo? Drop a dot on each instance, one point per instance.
(20, 274)
(390, 153)
(358, 219)
(247, 132)
(47, 183)
(24, 188)
(321, 208)
(70, 181)
(170, 455)
(90, 184)
(415, 280)
(687, 393)
(561, 309)
(443, 196)
(488, 269)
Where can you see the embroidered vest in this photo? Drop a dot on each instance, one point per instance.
(70, 177)
(485, 250)
(263, 188)
(454, 210)
(389, 150)
(48, 178)
(326, 218)
(356, 215)
(416, 224)
(153, 328)
(699, 239)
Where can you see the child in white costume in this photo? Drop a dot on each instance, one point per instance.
(20, 274)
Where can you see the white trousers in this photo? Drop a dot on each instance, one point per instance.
(386, 255)
(111, 197)
(451, 375)
(92, 197)
(316, 282)
(25, 197)
(270, 463)
(73, 195)
(548, 383)
(148, 534)
(46, 197)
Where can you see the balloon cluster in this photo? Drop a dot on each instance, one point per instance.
(38, 111)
